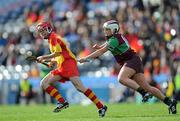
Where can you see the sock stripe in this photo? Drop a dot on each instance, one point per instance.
(91, 95)
(49, 89)
(61, 100)
(96, 101)
(53, 92)
(99, 105)
(88, 91)
(93, 98)
(58, 97)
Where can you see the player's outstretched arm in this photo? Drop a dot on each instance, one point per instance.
(48, 57)
(95, 54)
(96, 46)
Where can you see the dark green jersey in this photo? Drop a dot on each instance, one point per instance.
(119, 47)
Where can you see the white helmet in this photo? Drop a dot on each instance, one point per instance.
(112, 25)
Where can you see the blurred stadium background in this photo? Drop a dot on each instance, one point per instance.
(151, 26)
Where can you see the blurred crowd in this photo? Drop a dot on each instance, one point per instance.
(151, 27)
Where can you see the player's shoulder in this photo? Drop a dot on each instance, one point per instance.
(118, 36)
(121, 38)
(113, 38)
(55, 39)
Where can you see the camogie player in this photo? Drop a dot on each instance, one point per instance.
(131, 73)
(66, 69)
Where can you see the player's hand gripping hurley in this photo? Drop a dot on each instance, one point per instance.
(34, 58)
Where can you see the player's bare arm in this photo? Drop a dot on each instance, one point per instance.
(49, 57)
(95, 54)
(96, 46)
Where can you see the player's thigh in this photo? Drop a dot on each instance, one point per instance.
(125, 72)
(49, 79)
(140, 79)
(77, 83)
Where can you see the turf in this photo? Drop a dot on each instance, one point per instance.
(116, 112)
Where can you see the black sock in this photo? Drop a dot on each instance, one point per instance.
(141, 91)
(167, 101)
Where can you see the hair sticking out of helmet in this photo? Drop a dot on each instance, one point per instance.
(112, 25)
(45, 26)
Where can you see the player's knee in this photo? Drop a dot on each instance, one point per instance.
(122, 80)
(43, 84)
(78, 87)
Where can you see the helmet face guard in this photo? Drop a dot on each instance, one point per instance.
(112, 25)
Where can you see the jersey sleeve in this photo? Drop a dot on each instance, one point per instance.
(112, 43)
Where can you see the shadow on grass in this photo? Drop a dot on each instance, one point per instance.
(131, 116)
(134, 116)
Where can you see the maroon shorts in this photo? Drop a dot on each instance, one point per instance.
(134, 63)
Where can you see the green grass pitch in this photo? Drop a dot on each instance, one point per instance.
(116, 112)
